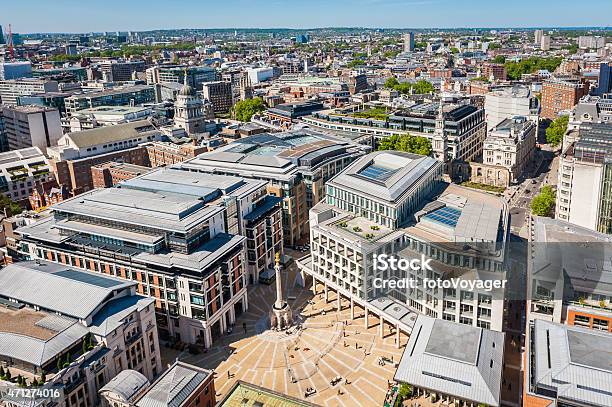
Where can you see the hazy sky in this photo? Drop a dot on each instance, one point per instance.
(28, 16)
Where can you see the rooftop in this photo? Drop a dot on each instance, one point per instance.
(244, 394)
(278, 154)
(385, 175)
(110, 134)
(113, 91)
(575, 362)
(127, 385)
(175, 386)
(58, 288)
(460, 214)
(454, 359)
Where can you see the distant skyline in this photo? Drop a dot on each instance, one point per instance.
(35, 16)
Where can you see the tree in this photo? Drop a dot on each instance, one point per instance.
(454, 50)
(543, 203)
(243, 110)
(11, 207)
(420, 87)
(355, 63)
(408, 143)
(531, 65)
(391, 83)
(556, 130)
(500, 59)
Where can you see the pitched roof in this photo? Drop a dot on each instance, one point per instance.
(58, 288)
(110, 134)
(127, 384)
(455, 359)
(175, 386)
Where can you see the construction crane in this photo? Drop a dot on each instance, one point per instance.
(10, 43)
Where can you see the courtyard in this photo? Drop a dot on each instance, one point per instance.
(327, 359)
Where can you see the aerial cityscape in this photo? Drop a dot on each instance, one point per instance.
(410, 205)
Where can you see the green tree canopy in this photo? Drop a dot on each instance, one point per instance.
(408, 143)
(245, 109)
(500, 59)
(11, 207)
(543, 203)
(556, 130)
(420, 87)
(531, 65)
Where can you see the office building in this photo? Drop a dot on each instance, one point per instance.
(116, 96)
(257, 75)
(395, 203)
(104, 116)
(456, 362)
(505, 103)
(219, 94)
(605, 79)
(285, 114)
(461, 128)
(77, 152)
(567, 366)
(507, 153)
(196, 75)
(1, 36)
(20, 170)
(11, 90)
(31, 126)
(302, 38)
(409, 42)
(561, 94)
(545, 43)
(584, 172)
(163, 153)
(568, 275)
(15, 70)
(120, 71)
(182, 385)
(295, 165)
(80, 329)
(178, 235)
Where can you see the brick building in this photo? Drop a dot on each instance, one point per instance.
(111, 173)
(559, 94)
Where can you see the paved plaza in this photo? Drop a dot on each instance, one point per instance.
(326, 346)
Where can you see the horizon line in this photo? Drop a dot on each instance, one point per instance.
(564, 27)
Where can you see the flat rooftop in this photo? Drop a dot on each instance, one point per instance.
(460, 214)
(275, 155)
(385, 175)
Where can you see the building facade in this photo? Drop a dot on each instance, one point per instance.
(561, 94)
(295, 165)
(510, 145)
(95, 326)
(176, 235)
(11, 90)
(31, 126)
(20, 170)
(396, 204)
